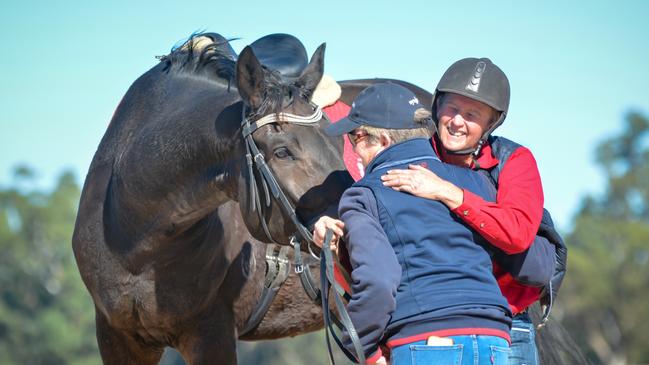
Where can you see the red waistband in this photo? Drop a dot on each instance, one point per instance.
(449, 332)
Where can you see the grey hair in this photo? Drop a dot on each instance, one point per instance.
(421, 117)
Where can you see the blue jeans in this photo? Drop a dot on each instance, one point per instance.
(466, 350)
(523, 347)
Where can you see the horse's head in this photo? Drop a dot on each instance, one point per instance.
(287, 129)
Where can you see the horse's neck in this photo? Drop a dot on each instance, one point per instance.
(179, 160)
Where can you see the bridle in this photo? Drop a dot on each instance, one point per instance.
(254, 157)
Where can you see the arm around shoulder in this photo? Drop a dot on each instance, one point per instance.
(512, 221)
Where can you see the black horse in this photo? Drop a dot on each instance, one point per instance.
(160, 241)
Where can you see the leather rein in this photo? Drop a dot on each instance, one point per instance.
(276, 259)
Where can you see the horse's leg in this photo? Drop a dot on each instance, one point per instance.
(118, 348)
(212, 341)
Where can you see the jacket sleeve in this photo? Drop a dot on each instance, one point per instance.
(533, 267)
(549, 295)
(376, 272)
(512, 221)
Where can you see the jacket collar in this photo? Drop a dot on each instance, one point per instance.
(402, 153)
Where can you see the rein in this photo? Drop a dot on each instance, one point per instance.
(327, 280)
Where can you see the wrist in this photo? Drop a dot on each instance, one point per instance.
(453, 196)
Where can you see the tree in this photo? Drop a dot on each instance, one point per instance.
(46, 315)
(605, 295)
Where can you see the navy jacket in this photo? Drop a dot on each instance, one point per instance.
(417, 270)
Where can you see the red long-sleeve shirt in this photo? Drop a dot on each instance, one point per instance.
(511, 223)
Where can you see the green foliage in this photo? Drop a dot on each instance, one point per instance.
(305, 349)
(46, 315)
(624, 160)
(605, 294)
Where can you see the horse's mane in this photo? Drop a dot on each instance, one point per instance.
(205, 54)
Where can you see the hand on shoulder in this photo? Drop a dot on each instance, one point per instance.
(422, 182)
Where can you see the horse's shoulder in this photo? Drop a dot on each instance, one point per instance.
(91, 204)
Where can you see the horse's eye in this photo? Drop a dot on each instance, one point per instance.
(282, 153)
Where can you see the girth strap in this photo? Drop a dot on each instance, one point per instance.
(277, 269)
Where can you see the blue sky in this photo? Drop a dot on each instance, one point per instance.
(575, 67)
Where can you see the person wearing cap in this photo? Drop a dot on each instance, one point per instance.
(471, 100)
(422, 282)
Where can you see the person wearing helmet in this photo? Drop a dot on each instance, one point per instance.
(471, 100)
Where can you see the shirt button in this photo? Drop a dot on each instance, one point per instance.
(466, 212)
(481, 225)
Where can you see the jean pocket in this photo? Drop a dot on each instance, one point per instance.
(521, 335)
(500, 355)
(436, 355)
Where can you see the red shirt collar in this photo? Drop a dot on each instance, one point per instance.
(486, 160)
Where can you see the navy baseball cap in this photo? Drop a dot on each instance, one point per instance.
(384, 105)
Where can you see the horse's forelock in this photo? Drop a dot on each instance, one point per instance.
(277, 95)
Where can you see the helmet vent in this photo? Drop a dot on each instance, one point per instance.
(474, 83)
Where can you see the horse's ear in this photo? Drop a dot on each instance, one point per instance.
(250, 78)
(312, 74)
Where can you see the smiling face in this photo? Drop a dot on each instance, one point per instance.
(462, 121)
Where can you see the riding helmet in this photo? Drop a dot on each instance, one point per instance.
(478, 79)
